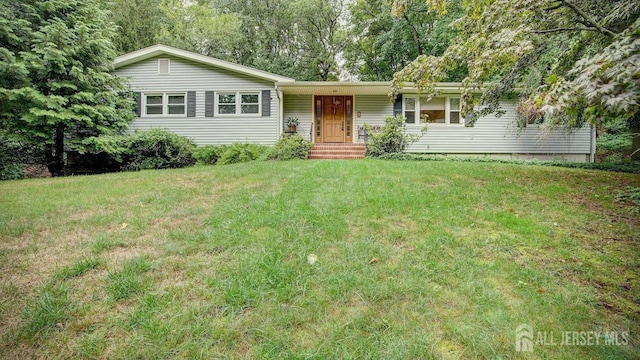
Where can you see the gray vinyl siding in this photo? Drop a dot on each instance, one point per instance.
(373, 110)
(490, 135)
(191, 76)
(300, 106)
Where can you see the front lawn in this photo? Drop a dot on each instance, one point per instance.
(414, 260)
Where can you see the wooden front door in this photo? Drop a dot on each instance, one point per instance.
(335, 119)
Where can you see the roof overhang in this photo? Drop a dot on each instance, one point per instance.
(334, 88)
(356, 88)
(163, 50)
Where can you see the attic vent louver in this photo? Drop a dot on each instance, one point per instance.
(164, 66)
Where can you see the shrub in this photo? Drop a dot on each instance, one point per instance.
(289, 146)
(238, 153)
(159, 149)
(153, 149)
(391, 139)
(630, 195)
(615, 142)
(14, 155)
(209, 154)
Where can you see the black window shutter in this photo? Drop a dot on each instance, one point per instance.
(191, 104)
(138, 97)
(397, 106)
(266, 102)
(209, 102)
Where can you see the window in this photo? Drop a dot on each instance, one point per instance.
(226, 103)
(175, 105)
(234, 103)
(440, 110)
(433, 111)
(154, 105)
(250, 103)
(410, 109)
(165, 104)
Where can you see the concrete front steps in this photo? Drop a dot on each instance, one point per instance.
(331, 151)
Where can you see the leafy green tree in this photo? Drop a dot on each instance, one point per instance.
(321, 36)
(139, 23)
(382, 43)
(65, 92)
(200, 28)
(296, 38)
(267, 39)
(575, 61)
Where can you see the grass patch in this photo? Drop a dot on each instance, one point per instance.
(76, 269)
(48, 312)
(129, 280)
(105, 243)
(438, 259)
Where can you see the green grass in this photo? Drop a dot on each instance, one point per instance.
(414, 260)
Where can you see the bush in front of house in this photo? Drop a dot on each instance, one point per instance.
(209, 154)
(392, 138)
(239, 153)
(289, 146)
(152, 149)
(159, 149)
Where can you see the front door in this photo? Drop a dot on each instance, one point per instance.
(335, 119)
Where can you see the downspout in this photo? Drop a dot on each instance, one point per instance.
(280, 110)
(592, 158)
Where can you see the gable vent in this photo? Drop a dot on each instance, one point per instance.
(164, 66)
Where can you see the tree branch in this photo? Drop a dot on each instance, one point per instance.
(586, 17)
(563, 29)
(414, 32)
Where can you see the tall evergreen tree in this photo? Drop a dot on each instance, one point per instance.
(64, 92)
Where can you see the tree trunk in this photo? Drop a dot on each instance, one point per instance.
(55, 153)
(416, 36)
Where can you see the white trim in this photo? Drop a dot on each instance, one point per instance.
(159, 50)
(238, 103)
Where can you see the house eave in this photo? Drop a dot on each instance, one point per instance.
(356, 88)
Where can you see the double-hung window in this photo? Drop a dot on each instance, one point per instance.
(238, 103)
(439, 110)
(165, 104)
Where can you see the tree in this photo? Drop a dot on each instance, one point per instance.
(66, 93)
(200, 28)
(575, 61)
(382, 44)
(320, 36)
(138, 21)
